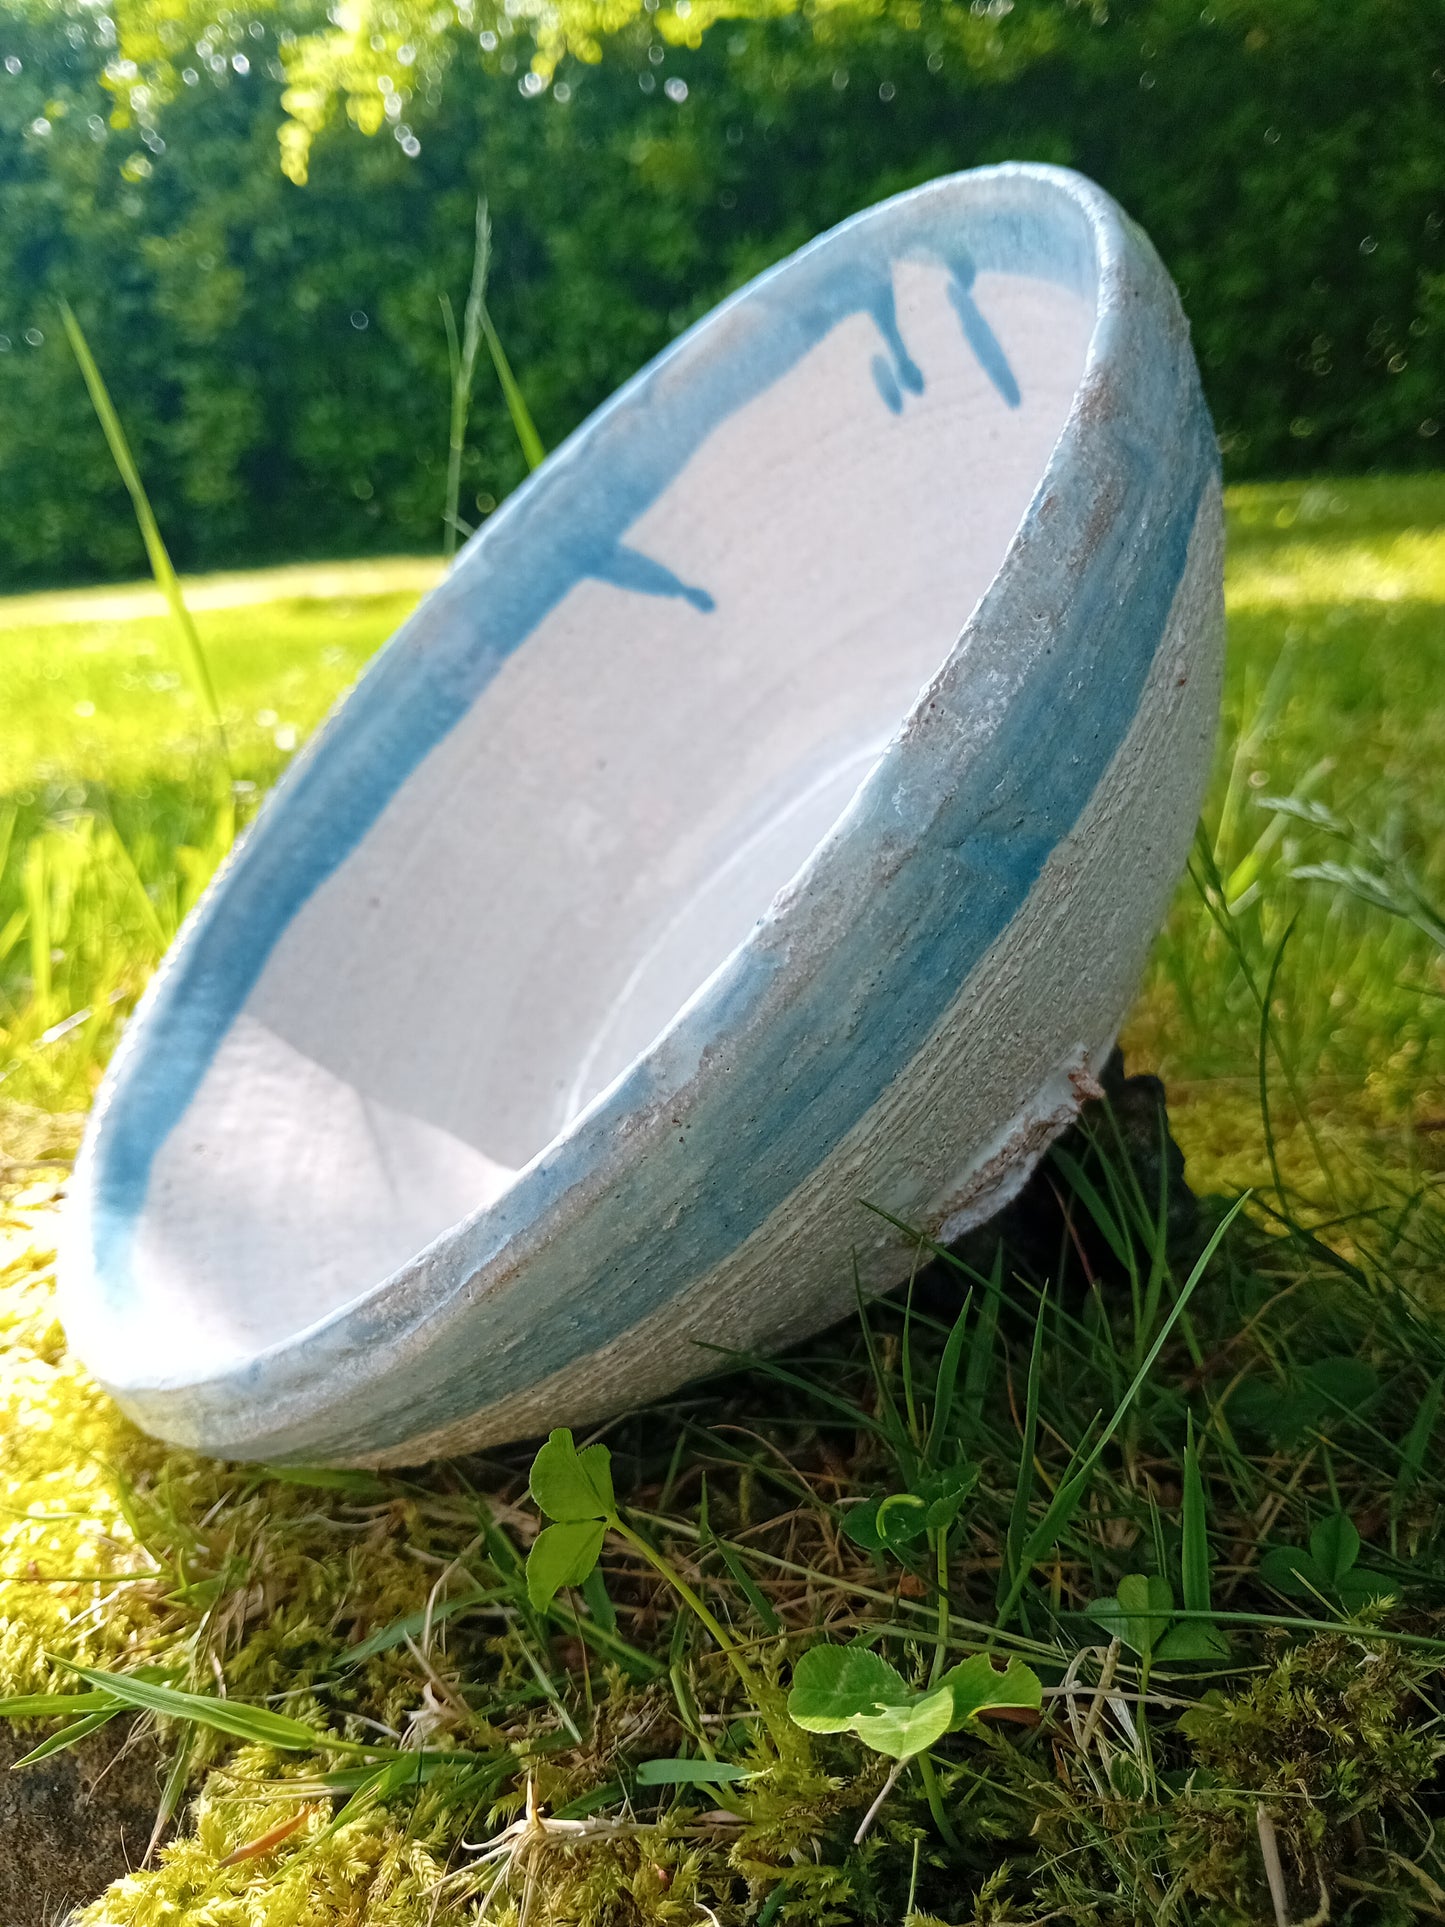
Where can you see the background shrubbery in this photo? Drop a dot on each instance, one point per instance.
(278, 353)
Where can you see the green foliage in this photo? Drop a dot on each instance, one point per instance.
(852, 1689)
(1287, 1412)
(1329, 1570)
(416, 1690)
(111, 821)
(899, 1519)
(562, 1555)
(278, 353)
(575, 1490)
(1324, 1743)
(1142, 1616)
(569, 1485)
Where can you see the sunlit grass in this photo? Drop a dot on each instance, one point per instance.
(1336, 599)
(115, 808)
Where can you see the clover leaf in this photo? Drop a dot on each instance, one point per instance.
(562, 1555)
(1311, 1397)
(1329, 1567)
(899, 1519)
(574, 1490)
(1192, 1640)
(832, 1685)
(568, 1485)
(1141, 1616)
(838, 1689)
(978, 1687)
(1139, 1613)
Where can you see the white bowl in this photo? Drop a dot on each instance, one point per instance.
(767, 818)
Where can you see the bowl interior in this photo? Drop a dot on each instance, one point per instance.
(630, 788)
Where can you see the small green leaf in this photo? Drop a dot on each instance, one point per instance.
(1334, 1547)
(1342, 1383)
(900, 1732)
(562, 1555)
(1290, 1569)
(976, 1686)
(1192, 1641)
(902, 1518)
(839, 1689)
(943, 1493)
(860, 1524)
(690, 1773)
(1140, 1613)
(1311, 1397)
(832, 1685)
(569, 1485)
(1358, 1586)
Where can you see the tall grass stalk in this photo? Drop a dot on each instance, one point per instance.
(478, 326)
(462, 355)
(156, 551)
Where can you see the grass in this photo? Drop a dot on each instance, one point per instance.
(1157, 1474)
(114, 810)
(1197, 1494)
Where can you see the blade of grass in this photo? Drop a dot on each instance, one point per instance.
(411, 1625)
(1194, 1532)
(1083, 1187)
(463, 359)
(946, 1384)
(255, 1724)
(748, 1586)
(67, 1737)
(156, 551)
(1413, 1448)
(599, 1601)
(1010, 1578)
(531, 441)
(1071, 1488)
(44, 1706)
(979, 1369)
(175, 1786)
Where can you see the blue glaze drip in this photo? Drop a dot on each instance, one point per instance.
(628, 568)
(977, 333)
(885, 381)
(885, 315)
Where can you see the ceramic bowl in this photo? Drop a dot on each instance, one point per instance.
(766, 819)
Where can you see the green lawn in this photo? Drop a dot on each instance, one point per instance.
(113, 806)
